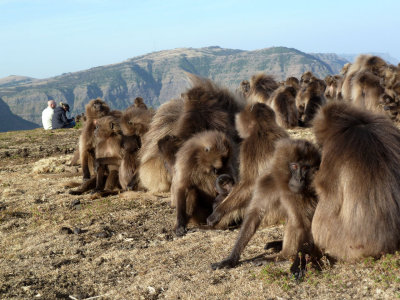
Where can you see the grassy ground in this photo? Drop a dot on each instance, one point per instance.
(54, 245)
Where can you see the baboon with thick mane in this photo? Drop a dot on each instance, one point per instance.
(283, 192)
(261, 88)
(358, 184)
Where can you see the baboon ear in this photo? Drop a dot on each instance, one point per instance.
(207, 149)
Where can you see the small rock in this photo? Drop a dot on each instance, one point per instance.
(151, 290)
(66, 230)
(77, 230)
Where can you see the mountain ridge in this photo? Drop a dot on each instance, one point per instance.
(160, 76)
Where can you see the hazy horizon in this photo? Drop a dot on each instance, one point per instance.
(44, 38)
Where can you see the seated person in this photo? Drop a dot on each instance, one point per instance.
(47, 114)
(60, 119)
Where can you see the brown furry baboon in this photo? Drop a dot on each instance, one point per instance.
(306, 77)
(139, 103)
(308, 101)
(331, 89)
(223, 186)
(358, 183)
(374, 64)
(366, 90)
(108, 143)
(244, 88)
(204, 106)
(283, 102)
(94, 110)
(152, 171)
(257, 127)
(198, 163)
(261, 88)
(135, 122)
(293, 82)
(284, 192)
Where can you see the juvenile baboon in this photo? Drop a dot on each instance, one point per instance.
(108, 152)
(107, 143)
(139, 103)
(198, 163)
(391, 105)
(223, 185)
(306, 77)
(261, 88)
(257, 127)
(94, 110)
(284, 192)
(358, 183)
(332, 83)
(283, 102)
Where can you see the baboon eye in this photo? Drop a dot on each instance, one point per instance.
(207, 149)
(130, 122)
(304, 168)
(294, 166)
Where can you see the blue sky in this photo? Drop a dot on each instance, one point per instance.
(44, 38)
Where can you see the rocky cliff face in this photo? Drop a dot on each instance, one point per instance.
(160, 76)
(9, 121)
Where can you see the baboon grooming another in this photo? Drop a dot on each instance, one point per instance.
(284, 192)
(257, 127)
(223, 186)
(198, 163)
(358, 183)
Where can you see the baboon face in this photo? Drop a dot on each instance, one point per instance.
(224, 183)
(97, 108)
(299, 173)
(213, 155)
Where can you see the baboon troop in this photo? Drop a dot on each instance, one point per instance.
(227, 159)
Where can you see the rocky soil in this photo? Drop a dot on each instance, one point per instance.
(57, 246)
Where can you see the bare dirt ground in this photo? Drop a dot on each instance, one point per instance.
(57, 246)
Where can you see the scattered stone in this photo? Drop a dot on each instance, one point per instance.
(77, 230)
(66, 230)
(76, 204)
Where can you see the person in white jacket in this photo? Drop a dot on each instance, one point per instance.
(47, 114)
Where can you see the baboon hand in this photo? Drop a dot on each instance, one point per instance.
(214, 218)
(180, 231)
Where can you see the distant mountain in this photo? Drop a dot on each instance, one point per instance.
(160, 76)
(385, 56)
(13, 80)
(10, 122)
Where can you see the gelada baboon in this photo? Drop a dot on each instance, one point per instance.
(374, 64)
(139, 103)
(261, 88)
(283, 102)
(135, 122)
(257, 127)
(204, 106)
(94, 110)
(308, 101)
(152, 171)
(366, 91)
(244, 88)
(293, 82)
(358, 183)
(107, 142)
(331, 89)
(284, 192)
(198, 163)
(391, 105)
